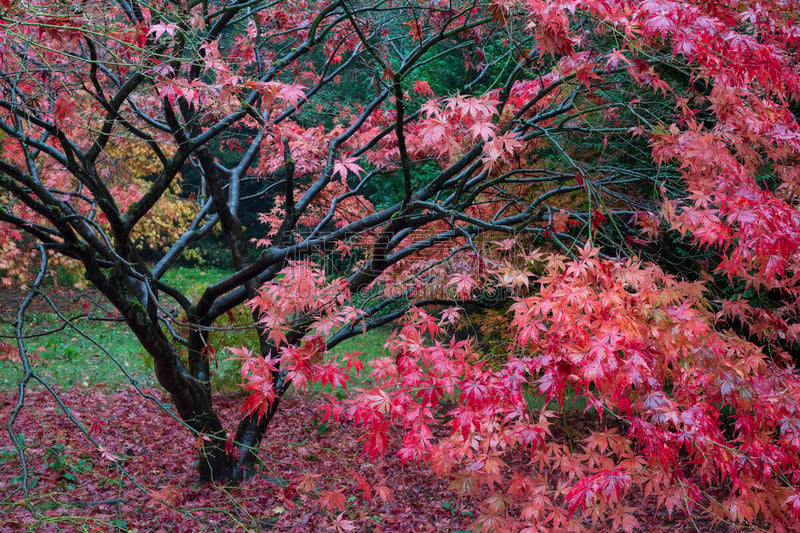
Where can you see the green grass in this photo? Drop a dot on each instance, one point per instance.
(67, 358)
(369, 343)
(193, 280)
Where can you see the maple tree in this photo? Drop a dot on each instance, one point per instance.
(586, 145)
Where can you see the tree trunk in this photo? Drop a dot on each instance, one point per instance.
(213, 462)
(220, 464)
(248, 439)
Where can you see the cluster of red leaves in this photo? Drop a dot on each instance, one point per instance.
(691, 417)
(301, 288)
(312, 478)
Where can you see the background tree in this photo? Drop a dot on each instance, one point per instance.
(588, 128)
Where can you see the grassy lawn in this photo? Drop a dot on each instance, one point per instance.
(69, 358)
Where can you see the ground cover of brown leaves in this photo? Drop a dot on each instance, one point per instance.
(314, 477)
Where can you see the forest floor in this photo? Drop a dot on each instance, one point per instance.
(307, 481)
